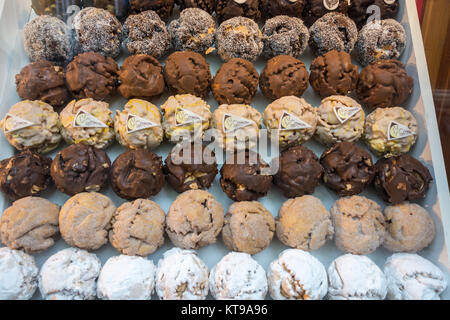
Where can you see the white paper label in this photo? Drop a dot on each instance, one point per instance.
(290, 122)
(331, 4)
(398, 131)
(184, 117)
(84, 119)
(232, 123)
(14, 123)
(344, 113)
(136, 123)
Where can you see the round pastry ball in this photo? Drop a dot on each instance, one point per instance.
(182, 275)
(238, 277)
(239, 37)
(284, 35)
(353, 277)
(227, 9)
(384, 84)
(358, 10)
(245, 177)
(195, 30)
(207, 5)
(334, 31)
(236, 82)
(188, 72)
(119, 8)
(32, 125)
(70, 274)
(248, 227)
(30, 224)
(162, 7)
(48, 38)
(297, 275)
(92, 75)
(141, 76)
(138, 125)
(126, 278)
(284, 76)
(333, 74)
(88, 122)
(401, 178)
(57, 8)
(409, 228)
(18, 275)
(292, 8)
(43, 80)
(341, 119)
(359, 225)
(195, 219)
(79, 168)
(97, 30)
(186, 117)
(24, 174)
(293, 119)
(146, 33)
(315, 9)
(237, 127)
(299, 172)
(348, 168)
(380, 40)
(137, 174)
(190, 167)
(138, 228)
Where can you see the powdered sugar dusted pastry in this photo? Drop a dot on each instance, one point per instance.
(70, 274)
(18, 275)
(126, 278)
(182, 275)
(411, 277)
(238, 277)
(297, 275)
(352, 277)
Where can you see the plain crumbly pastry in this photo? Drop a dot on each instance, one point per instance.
(227, 9)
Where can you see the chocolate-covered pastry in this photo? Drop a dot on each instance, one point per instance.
(246, 181)
(315, 9)
(358, 10)
(236, 82)
(383, 84)
(227, 9)
(25, 174)
(92, 75)
(43, 80)
(299, 172)
(190, 172)
(207, 5)
(119, 8)
(292, 8)
(333, 74)
(162, 7)
(283, 76)
(348, 168)
(80, 168)
(401, 178)
(137, 174)
(188, 72)
(141, 76)
(56, 8)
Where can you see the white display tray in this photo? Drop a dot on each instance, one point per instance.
(428, 149)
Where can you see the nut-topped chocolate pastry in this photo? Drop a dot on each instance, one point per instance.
(207, 5)
(227, 9)
(315, 9)
(292, 8)
(358, 10)
(119, 8)
(56, 8)
(163, 8)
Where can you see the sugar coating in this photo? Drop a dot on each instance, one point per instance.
(297, 275)
(411, 277)
(182, 275)
(126, 278)
(352, 277)
(238, 277)
(70, 274)
(18, 275)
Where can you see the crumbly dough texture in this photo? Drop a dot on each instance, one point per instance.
(194, 220)
(147, 138)
(353, 277)
(126, 278)
(304, 223)
(359, 225)
(248, 227)
(182, 275)
(238, 277)
(409, 228)
(30, 224)
(138, 228)
(70, 274)
(376, 131)
(330, 129)
(297, 275)
(85, 220)
(43, 136)
(18, 275)
(97, 137)
(411, 277)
